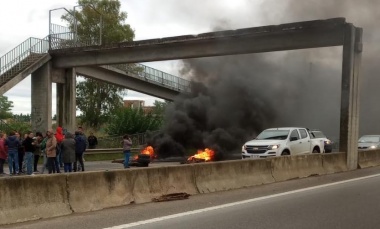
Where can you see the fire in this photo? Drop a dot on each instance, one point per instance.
(205, 155)
(149, 151)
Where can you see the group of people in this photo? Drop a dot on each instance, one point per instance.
(59, 150)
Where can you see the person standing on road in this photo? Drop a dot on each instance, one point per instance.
(59, 136)
(43, 150)
(127, 144)
(51, 153)
(13, 144)
(21, 153)
(3, 153)
(80, 147)
(92, 141)
(37, 152)
(68, 152)
(29, 147)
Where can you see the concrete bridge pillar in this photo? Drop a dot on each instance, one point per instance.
(349, 120)
(41, 112)
(66, 99)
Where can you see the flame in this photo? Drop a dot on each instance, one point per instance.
(149, 151)
(206, 155)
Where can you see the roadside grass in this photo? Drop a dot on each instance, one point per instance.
(103, 156)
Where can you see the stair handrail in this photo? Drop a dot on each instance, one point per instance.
(21, 52)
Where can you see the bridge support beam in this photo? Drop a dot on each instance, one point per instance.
(66, 100)
(41, 112)
(349, 120)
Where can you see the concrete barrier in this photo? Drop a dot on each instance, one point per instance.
(291, 167)
(227, 175)
(45, 196)
(334, 162)
(91, 191)
(29, 198)
(369, 158)
(154, 182)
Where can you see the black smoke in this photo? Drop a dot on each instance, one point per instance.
(235, 97)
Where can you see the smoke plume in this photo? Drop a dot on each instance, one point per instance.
(235, 97)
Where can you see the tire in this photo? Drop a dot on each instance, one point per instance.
(285, 153)
(316, 150)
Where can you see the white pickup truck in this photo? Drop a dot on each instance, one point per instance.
(282, 141)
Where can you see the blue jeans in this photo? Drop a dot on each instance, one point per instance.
(45, 162)
(29, 156)
(13, 158)
(127, 154)
(68, 167)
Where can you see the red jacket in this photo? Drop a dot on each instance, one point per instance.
(3, 150)
(59, 135)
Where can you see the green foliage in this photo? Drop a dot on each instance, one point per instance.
(22, 118)
(97, 100)
(114, 28)
(21, 127)
(132, 121)
(5, 107)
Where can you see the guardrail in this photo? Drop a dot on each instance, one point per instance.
(110, 151)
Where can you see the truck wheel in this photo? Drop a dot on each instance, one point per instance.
(285, 152)
(316, 150)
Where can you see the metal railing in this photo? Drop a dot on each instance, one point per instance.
(115, 141)
(27, 52)
(22, 51)
(153, 76)
(21, 57)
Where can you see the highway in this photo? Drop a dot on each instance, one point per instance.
(342, 200)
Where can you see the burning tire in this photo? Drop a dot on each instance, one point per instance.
(143, 160)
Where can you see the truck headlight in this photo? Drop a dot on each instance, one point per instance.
(244, 147)
(327, 142)
(273, 146)
(373, 147)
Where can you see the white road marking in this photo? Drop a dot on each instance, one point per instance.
(158, 219)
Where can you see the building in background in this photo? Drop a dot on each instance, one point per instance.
(138, 104)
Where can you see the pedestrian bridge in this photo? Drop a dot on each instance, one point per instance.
(31, 54)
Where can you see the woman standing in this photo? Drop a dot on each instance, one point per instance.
(51, 153)
(68, 152)
(127, 144)
(37, 152)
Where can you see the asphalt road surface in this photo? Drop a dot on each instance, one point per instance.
(342, 200)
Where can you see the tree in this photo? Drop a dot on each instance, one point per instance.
(22, 118)
(96, 99)
(132, 121)
(5, 107)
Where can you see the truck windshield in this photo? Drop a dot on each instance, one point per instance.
(273, 134)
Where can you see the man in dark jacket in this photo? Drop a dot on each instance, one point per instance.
(13, 144)
(29, 147)
(68, 152)
(92, 141)
(80, 147)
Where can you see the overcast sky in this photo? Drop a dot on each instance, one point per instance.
(21, 19)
